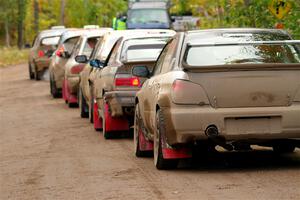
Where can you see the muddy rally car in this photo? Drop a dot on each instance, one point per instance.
(115, 87)
(73, 67)
(93, 69)
(228, 87)
(42, 49)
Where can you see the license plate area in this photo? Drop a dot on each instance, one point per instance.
(253, 125)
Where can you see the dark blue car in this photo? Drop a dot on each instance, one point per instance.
(148, 15)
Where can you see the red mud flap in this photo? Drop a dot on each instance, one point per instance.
(67, 96)
(114, 123)
(144, 144)
(97, 119)
(170, 153)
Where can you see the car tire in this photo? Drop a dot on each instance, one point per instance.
(37, 75)
(136, 135)
(55, 92)
(283, 148)
(159, 160)
(91, 107)
(31, 74)
(106, 134)
(83, 108)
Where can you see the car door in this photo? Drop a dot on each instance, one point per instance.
(165, 64)
(105, 76)
(148, 92)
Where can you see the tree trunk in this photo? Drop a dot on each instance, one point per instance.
(62, 12)
(36, 16)
(21, 15)
(7, 36)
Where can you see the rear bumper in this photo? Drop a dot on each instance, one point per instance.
(42, 65)
(59, 74)
(188, 123)
(117, 100)
(73, 84)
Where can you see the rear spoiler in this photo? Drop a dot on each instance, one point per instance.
(242, 67)
(132, 62)
(244, 43)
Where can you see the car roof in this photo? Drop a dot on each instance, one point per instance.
(137, 32)
(71, 33)
(96, 32)
(238, 30)
(214, 33)
(51, 33)
(148, 5)
(110, 38)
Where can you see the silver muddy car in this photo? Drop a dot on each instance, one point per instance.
(42, 49)
(227, 87)
(84, 47)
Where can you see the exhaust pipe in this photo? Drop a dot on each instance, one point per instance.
(129, 110)
(212, 133)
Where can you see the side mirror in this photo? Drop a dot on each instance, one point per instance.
(81, 59)
(173, 19)
(27, 46)
(65, 54)
(96, 63)
(140, 71)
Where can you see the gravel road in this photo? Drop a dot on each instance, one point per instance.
(48, 152)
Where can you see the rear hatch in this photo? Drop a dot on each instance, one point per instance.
(259, 74)
(124, 79)
(249, 88)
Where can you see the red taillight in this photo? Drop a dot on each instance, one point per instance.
(178, 85)
(41, 53)
(130, 81)
(77, 69)
(59, 51)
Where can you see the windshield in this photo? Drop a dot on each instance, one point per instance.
(241, 54)
(144, 16)
(142, 49)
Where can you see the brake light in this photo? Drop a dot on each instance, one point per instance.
(187, 92)
(77, 69)
(59, 51)
(129, 81)
(41, 53)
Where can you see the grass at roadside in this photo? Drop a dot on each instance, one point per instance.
(12, 56)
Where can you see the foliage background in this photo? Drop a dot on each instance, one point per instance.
(17, 15)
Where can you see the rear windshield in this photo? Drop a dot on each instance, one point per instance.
(50, 41)
(239, 54)
(142, 49)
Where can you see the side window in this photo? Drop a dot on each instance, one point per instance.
(169, 60)
(160, 61)
(77, 47)
(97, 48)
(114, 52)
(70, 43)
(89, 46)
